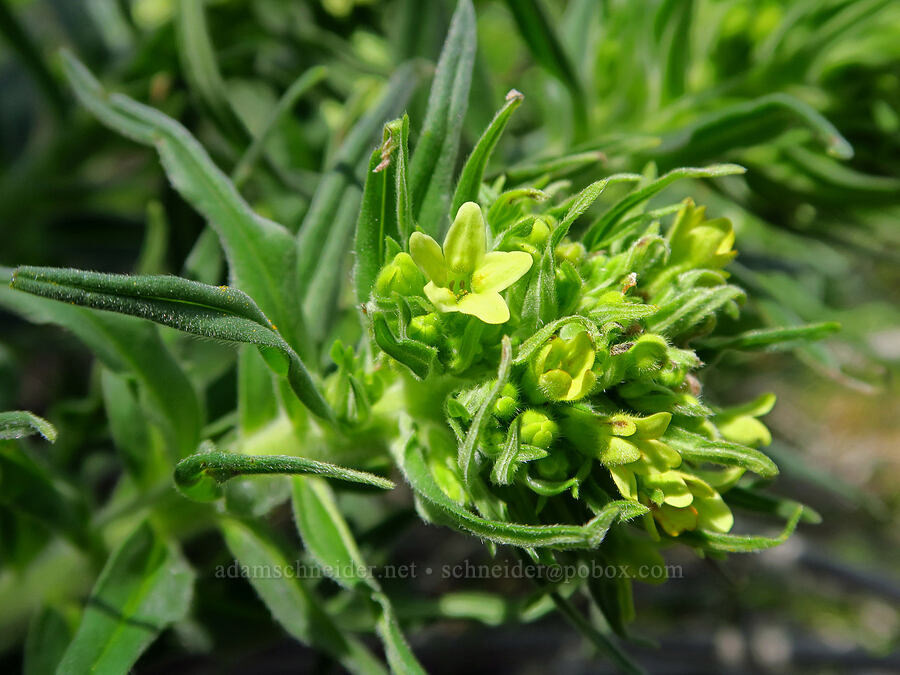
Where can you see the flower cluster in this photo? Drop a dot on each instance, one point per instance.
(597, 400)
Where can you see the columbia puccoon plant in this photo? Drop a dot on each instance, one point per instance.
(523, 355)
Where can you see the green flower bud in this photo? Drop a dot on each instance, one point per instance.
(537, 428)
(648, 353)
(540, 233)
(573, 251)
(507, 402)
(561, 370)
(425, 328)
(401, 275)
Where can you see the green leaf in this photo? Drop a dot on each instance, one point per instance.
(341, 176)
(199, 476)
(583, 202)
(412, 462)
(744, 543)
(323, 290)
(416, 356)
(614, 215)
(20, 423)
(539, 35)
(217, 312)
(128, 425)
(690, 308)
(434, 160)
(327, 536)
(761, 502)
(672, 37)
(286, 103)
(201, 70)
(469, 184)
(30, 489)
(145, 586)
(540, 304)
(552, 168)
(745, 124)
(261, 254)
(291, 603)
(126, 345)
(378, 215)
(697, 448)
(470, 443)
(771, 339)
(328, 539)
(503, 471)
(48, 636)
(399, 655)
(257, 402)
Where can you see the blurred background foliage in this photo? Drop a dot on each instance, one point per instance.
(804, 93)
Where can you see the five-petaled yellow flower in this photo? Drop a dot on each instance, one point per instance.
(463, 277)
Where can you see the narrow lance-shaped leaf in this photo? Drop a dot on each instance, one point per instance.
(291, 603)
(288, 100)
(128, 425)
(412, 462)
(20, 423)
(257, 401)
(145, 586)
(584, 200)
(540, 37)
(201, 70)
(772, 338)
(323, 291)
(261, 253)
(470, 443)
(406, 222)
(760, 502)
(378, 212)
(128, 347)
(689, 309)
(469, 184)
(200, 476)
(329, 540)
(221, 313)
(612, 217)
(744, 543)
(30, 489)
(434, 160)
(48, 636)
(698, 448)
(343, 173)
(745, 124)
(416, 356)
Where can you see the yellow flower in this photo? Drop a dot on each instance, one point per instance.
(463, 277)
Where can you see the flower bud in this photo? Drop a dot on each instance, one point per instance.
(561, 370)
(425, 328)
(540, 233)
(507, 402)
(537, 428)
(573, 251)
(649, 353)
(401, 275)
